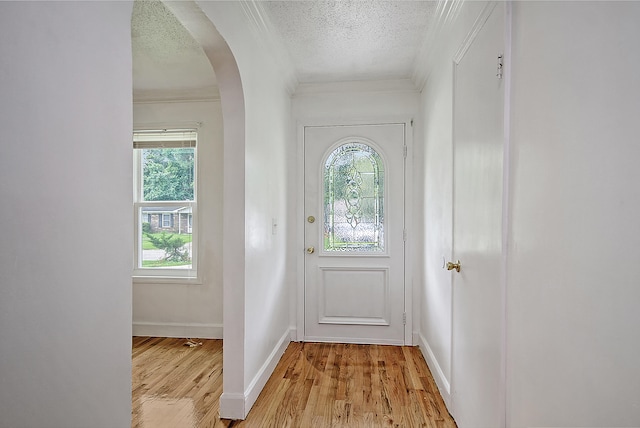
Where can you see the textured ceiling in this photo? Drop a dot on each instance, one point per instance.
(165, 56)
(351, 39)
(326, 41)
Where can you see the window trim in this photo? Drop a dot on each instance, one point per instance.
(168, 222)
(164, 275)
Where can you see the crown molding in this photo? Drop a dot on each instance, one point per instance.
(176, 95)
(446, 13)
(266, 33)
(475, 30)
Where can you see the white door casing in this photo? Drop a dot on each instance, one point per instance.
(478, 305)
(354, 288)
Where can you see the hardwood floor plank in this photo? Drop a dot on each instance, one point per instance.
(314, 385)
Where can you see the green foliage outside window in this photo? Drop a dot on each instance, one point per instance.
(173, 246)
(168, 174)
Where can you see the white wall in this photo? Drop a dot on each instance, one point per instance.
(65, 186)
(264, 314)
(355, 101)
(573, 276)
(184, 308)
(434, 173)
(572, 281)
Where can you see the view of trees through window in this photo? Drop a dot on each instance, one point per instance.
(168, 174)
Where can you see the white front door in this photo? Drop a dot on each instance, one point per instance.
(354, 227)
(478, 306)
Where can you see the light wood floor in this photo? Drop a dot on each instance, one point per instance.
(314, 385)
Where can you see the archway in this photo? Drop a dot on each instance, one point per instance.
(233, 116)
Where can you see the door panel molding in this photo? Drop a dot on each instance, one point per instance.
(353, 281)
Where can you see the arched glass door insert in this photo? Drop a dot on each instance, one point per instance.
(353, 199)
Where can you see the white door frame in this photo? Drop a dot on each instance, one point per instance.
(408, 214)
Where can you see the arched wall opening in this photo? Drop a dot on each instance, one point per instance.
(233, 238)
(255, 112)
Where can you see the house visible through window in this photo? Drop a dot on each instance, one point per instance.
(165, 203)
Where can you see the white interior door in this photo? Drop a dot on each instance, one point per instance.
(354, 227)
(478, 308)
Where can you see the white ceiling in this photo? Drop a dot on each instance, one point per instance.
(325, 41)
(351, 39)
(167, 61)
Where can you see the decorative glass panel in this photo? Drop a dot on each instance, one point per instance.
(353, 199)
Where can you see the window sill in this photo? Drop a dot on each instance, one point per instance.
(179, 280)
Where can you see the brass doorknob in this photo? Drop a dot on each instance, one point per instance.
(452, 266)
(311, 250)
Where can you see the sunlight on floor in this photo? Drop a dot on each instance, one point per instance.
(160, 412)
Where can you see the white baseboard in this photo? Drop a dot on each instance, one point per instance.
(190, 330)
(261, 378)
(232, 406)
(438, 375)
(237, 406)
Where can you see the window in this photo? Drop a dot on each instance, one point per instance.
(165, 203)
(166, 220)
(354, 199)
